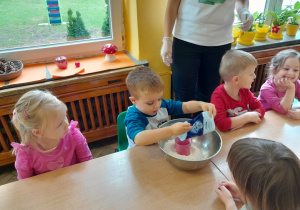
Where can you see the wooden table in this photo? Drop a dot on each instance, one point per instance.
(274, 126)
(139, 178)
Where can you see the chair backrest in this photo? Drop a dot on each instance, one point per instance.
(122, 137)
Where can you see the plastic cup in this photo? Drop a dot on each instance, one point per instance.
(183, 147)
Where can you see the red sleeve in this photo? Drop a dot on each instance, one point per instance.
(255, 105)
(222, 122)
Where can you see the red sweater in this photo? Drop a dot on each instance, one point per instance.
(228, 107)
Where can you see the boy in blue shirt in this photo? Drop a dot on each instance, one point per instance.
(150, 110)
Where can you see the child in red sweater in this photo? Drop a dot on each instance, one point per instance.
(235, 103)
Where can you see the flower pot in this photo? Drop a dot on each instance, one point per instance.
(292, 30)
(261, 32)
(276, 32)
(235, 33)
(246, 37)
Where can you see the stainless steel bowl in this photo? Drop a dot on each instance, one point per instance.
(210, 144)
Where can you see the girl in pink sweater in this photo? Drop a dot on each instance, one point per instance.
(48, 141)
(283, 86)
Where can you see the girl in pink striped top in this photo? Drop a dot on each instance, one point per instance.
(48, 141)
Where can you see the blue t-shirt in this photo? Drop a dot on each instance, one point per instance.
(136, 121)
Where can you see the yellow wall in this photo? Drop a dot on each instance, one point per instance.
(144, 23)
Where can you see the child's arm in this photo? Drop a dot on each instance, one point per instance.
(148, 137)
(82, 149)
(255, 105)
(196, 106)
(294, 114)
(270, 94)
(22, 163)
(226, 197)
(248, 117)
(287, 101)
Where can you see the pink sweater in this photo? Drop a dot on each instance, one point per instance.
(270, 97)
(72, 149)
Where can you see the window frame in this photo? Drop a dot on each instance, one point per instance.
(85, 48)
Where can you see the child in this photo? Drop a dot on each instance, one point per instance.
(47, 141)
(279, 91)
(235, 103)
(266, 175)
(150, 110)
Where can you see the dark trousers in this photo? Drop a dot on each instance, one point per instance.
(195, 70)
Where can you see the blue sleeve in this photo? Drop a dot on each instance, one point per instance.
(173, 107)
(135, 122)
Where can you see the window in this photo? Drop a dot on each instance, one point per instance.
(50, 40)
(266, 5)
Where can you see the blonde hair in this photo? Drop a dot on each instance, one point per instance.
(279, 59)
(266, 172)
(36, 109)
(234, 62)
(143, 79)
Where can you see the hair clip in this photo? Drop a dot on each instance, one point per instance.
(26, 115)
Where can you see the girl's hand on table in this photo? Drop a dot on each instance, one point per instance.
(294, 114)
(232, 188)
(226, 197)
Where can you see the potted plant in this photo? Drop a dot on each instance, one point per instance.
(261, 28)
(247, 37)
(293, 24)
(280, 17)
(235, 33)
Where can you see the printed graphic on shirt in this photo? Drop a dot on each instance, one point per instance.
(237, 111)
(160, 123)
(211, 2)
(53, 165)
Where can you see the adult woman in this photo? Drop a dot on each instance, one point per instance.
(202, 34)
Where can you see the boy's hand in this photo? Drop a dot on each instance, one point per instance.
(180, 128)
(254, 117)
(208, 107)
(294, 114)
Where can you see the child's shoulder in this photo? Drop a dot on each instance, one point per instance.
(133, 112)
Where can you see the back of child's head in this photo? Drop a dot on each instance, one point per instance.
(279, 59)
(36, 109)
(266, 172)
(235, 62)
(143, 80)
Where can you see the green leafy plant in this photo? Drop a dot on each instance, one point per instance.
(105, 25)
(257, 17)
(281, 16)
(260, 18)
(295, 13)
(75, 27)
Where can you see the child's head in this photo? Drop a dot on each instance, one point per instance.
(266, 172)
(284, 60)
(234, 62)
(35, 113)
(143, 80)
(146, 89)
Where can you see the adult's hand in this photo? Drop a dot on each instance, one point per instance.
(246, 18)
(166, 50)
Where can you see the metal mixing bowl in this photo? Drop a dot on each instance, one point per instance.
(210, 144)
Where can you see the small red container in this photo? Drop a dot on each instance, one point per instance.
(183, 147)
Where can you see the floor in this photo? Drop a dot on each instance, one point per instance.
(99, 148)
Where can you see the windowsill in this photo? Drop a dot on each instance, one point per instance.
(49, 82)
(269, 43)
